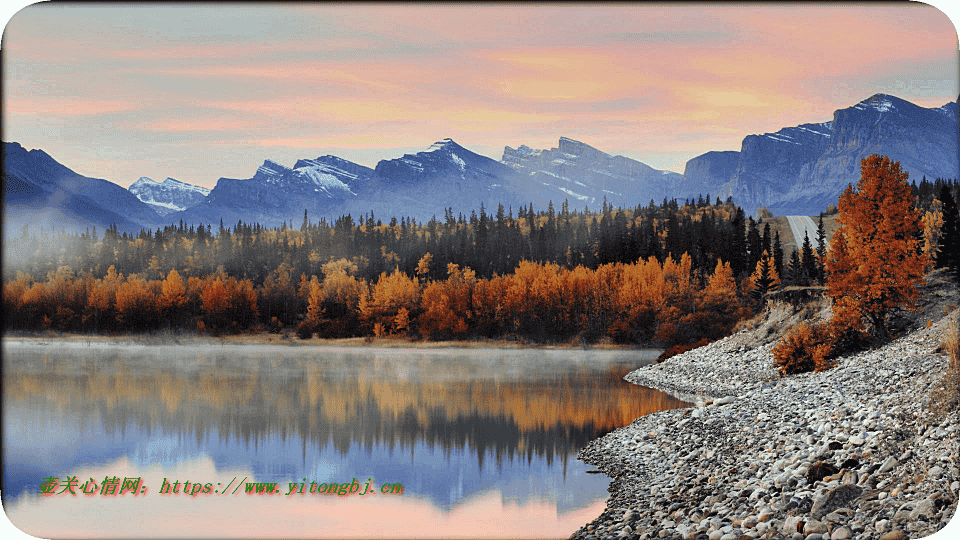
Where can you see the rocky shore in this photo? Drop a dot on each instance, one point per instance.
(858, 451)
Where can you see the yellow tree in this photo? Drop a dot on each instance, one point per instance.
(875, 262)
(136, 303)
(932, 227)
(390, 294)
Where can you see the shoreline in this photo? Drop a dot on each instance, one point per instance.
(266, 338)
(736, 464)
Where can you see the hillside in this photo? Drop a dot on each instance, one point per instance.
(866, 449)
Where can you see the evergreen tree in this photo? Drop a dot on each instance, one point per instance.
(754, 244)
(777, 253)
(809, 261)
(949, 234)
(795, 271)
(821, 251)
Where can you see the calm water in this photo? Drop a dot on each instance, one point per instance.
(483, 442)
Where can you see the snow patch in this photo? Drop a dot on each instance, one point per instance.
(439, 145)
(573, 194)
(459, 162)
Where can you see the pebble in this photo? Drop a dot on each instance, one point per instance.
(735, 466)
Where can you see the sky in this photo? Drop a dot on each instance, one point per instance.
(202, 91)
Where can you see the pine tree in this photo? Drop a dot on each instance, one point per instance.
(950, 234)
(777, 253)
(809, 261)
(821, 251)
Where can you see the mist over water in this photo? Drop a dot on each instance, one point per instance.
(453, 426)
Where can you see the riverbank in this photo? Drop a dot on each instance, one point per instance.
(859, 451)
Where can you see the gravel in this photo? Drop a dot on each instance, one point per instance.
(746, 459)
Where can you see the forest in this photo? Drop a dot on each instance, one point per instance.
(676, 273)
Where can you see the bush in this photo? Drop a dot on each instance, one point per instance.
(305, 330)
(847, 332)
(812, 347)
(804, 348)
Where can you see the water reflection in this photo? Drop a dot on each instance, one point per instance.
(452, 426)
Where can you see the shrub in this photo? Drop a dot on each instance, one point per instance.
(305, 330)
(847, 331)
(805, 347)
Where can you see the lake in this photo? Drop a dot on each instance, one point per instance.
(421, 442)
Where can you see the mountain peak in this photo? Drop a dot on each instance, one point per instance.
(577, 148)
(880, 102)
(443, 144)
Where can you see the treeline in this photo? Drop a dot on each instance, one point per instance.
(640, 302)
(653, 273)
(487, 243)
(649, 274)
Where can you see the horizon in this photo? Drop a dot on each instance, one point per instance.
(199, 94)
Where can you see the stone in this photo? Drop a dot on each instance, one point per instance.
(792, 525)
(813, 526)
(889, 464)
(835, 498)
(841, 533)
(926, 508)
(894, 535)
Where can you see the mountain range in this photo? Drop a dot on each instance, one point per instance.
(796, 170)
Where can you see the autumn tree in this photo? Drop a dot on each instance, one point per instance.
(932, 229)
(381, 308)
(229, 303)
(874, 261)
(447, 304)
(137, 306)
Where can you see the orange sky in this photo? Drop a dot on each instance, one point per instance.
(204, 91)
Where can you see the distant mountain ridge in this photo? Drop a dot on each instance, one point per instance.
(168, 196)
(802, 169)
(796, 170)
(578, 172)
(41, 192)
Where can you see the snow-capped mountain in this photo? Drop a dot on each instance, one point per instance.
(796, 170)
(802, 169)
(583, 175)
(277, 193)
(168, 196)
(445, 175)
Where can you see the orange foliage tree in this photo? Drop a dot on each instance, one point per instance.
(875, 262)
(447, 304)
(229, 303)
(382, 305)
(137, 306)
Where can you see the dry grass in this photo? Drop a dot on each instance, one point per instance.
(945, 397)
